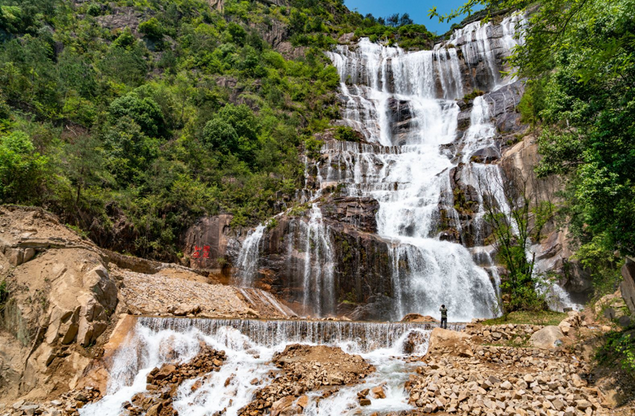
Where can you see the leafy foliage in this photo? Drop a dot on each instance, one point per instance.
(516, 222)
(620, 348)
(4, 295)
(21, 168)
(131, 134)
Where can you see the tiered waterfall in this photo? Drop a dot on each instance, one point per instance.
(406, 106)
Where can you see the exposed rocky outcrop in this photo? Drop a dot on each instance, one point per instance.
(207, 243)
(64, 296)
(361, 259)
(402, 119)
(553, 252)
(121, 18)
(356, 211)
(613, 307)
(61, 298)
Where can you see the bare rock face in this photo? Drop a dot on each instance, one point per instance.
(362, 268)
(403, 119)
(206, 242)
(357, 211)
(628, 285)
(121, 18)
(61, 297)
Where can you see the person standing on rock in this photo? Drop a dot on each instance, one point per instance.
(444, 317)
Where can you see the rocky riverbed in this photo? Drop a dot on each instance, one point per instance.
(462, 373)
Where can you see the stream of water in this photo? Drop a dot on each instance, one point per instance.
(249, 346)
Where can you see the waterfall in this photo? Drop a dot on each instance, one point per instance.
(318, 279)
(248, 257)
(405, 105)
(249, 346)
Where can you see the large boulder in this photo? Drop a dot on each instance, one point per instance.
(547, 338)
(207, 241)
(611, 307)
(628, 285)
(444, 341)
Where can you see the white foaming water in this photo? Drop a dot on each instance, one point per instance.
(249, 347)
(477, 42)
(248, 257)
(318, 282)
(410, 177)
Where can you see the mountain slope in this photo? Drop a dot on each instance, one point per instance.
(130, 119)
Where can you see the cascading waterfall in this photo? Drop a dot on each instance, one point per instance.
(318, 280)
(248, 257)
(249, 346)
(409, 176)
(475, 43)
(405, 106)
(405, 166)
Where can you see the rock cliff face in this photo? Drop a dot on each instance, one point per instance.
(60, 301)
(355, 273)
(208, 241)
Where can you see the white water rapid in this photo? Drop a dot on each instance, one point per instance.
(249, 346)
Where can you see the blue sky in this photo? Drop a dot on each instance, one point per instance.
(418, 10)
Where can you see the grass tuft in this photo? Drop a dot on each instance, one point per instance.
(528, 318)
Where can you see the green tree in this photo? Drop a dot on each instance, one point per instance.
(580, 59)
(128, 150)
(22, 169)
(83, 163)
(152, 29)
(516, 219)
(145, 112)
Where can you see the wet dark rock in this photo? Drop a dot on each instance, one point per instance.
(485, 155)
(362, 265)
(356, 211)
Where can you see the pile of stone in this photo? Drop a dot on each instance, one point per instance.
(306, 368)
(504, 381)
(68, 404)
(502, 333)
(163, 383)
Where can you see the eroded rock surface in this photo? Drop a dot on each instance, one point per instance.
(61, 298)
(628, 285)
